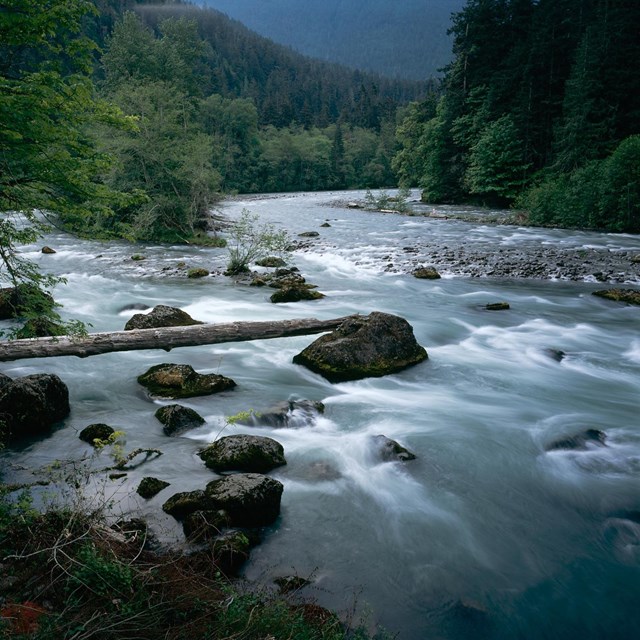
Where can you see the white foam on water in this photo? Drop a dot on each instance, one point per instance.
(633, 353)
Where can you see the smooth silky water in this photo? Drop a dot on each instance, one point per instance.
(484, 535)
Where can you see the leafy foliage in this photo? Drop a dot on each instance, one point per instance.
(249, 240)
(539, 98)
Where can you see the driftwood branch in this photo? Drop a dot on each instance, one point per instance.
(165, 338)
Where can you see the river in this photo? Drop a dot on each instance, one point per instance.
(486, 534)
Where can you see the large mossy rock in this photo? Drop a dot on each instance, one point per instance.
(247, 499)
(630, 296)
(177, 419)
(250, 499)
(160, 316)
(363, 347)
(182, 381)
(295, 294)
(32, 404)
(248, 453)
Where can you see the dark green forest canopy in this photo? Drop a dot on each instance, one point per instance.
(541, 108)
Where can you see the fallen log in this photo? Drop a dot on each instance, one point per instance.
(165, 338)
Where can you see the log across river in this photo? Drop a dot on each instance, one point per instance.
(165, 338)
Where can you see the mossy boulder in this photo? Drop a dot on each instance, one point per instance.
(630, 296)
(362, 347)
(150, 487)
(160, 316)
(250, 499)
(295, 294)
(30, 405)
(426, 273)
(97, 431)
(271, 261)
(247, 453)
(177, 419)
(182, 381)
(389, 450)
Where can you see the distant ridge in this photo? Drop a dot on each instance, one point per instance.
(397, 38)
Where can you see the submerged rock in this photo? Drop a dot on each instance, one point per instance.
(243, 453)
(97, 431)
(630, 296)
(250, 499)
(580, 441)
(497, 306)
(389, 450)
(32, 404)
(555, 354)
(182, 381)
(309, 234)
(362, 347)
(149, 487)
(178, 419)
(160, 316)
(290, 413)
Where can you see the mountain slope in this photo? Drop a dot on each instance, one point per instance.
(404, 39)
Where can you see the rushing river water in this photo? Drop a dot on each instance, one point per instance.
(485, 534)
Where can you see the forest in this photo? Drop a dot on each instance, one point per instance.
(540, 109)
(151, 112)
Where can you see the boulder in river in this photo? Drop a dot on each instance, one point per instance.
(250, 499)
(181, 504)
(309, 234)
(630, 296)
(182, 381)
(198, 272)
(48, 250)
(362, 347)
(32, 404)
(389, 450)
(580, 441)
(97, 431)
(160, 316)
(248, 453)
(178, 419)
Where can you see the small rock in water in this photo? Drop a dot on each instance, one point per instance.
(96, 431)
(136, 257)
(309, 234)
(497, 306)
(134, 306)
(149, 487)
(580, 441)
(48, 250)
(630, 296)
(290, 413)
(178, 419)
(426, 273)
(271, 261)
(389, 450)
(325, 224)
(554, 354)
(197, 272)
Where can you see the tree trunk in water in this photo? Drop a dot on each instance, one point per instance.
(165, 338)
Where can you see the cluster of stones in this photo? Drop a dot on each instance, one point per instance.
(290, 284)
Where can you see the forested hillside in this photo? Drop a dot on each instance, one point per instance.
(405, 39)
(540, 108)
